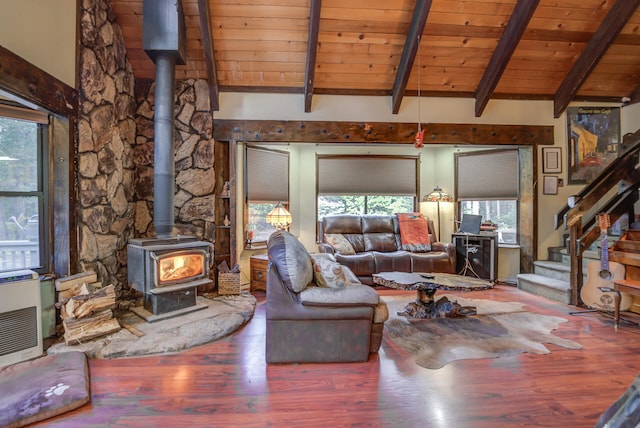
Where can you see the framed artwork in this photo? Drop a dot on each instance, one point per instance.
(594, 141)
(551, 160)
(550, 185)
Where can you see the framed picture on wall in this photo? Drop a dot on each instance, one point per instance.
(550, 185)
(551, 160)
(594, 141)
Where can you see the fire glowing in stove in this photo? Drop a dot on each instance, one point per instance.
(177, 267)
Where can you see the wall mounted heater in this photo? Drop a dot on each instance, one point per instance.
(20, 314)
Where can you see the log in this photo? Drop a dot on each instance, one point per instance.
(80, 330)
(76, 290)
(86, 305)
(79, 278)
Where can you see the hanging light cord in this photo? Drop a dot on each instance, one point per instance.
(419, 125)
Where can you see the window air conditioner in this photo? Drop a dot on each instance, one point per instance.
(20, 314)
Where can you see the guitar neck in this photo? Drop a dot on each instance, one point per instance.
(604, 251)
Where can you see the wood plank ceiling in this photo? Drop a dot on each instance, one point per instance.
(561, 50)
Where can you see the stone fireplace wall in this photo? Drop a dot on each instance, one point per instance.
(115, 153)
(194, 161)
(107, 132)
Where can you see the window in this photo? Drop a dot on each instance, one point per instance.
(267, 183)
(366, 184)
(23, 196)
(487, 184)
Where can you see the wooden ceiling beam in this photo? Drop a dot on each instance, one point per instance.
(613, 23)
(28, 83)
(312, 51)
(411, 45)
(321, 132)
(511, 36)
(209, 54)
(634, 97)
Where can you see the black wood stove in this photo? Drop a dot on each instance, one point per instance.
(168, 272)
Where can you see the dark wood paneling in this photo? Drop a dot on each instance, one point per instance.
(24, 80)
(379, 132)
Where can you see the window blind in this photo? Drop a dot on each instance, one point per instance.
(267, 174)
(487, 175)
(367, 175)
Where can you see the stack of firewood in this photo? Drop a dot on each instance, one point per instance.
(85, 307)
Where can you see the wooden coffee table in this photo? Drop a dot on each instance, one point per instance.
(426, 285)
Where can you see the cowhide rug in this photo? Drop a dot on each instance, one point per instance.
(499, 329)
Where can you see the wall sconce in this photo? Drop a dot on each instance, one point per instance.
(279, 217)
(438, 195)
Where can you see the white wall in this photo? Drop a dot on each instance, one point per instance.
(42, 32)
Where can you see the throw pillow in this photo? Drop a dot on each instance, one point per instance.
(351, 277)
(328, 273)
(291, 259)
(339, 243)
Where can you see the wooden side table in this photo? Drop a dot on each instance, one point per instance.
(258, 272)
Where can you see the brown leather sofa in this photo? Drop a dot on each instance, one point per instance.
(309, 323)
(377, 245)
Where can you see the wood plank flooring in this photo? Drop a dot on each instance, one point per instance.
(228, 384)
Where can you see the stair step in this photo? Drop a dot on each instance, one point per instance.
(631, 259)
(628, 246)
(552, 269)
(551, 288)
(555, 253)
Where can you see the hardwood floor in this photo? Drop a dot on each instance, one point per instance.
(228, 384)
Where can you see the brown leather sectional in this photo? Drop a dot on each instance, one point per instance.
(376, 242)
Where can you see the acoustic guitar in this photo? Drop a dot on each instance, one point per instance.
(602, 274)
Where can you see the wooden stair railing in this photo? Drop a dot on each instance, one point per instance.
(623, 174)
(612, 174)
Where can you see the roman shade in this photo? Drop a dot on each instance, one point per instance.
(367, 175)
(487, 175)
(267, 175)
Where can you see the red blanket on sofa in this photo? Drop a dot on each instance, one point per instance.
(414, 232)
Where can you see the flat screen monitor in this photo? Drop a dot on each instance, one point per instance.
(470, 223)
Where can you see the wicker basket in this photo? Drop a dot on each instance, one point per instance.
(228, 283)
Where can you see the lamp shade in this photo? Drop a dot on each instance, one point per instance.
(437, 195)
(279, 217)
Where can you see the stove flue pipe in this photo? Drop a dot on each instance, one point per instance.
(163, 39)
(163, 157)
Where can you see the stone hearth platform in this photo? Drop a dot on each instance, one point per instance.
(222, 316)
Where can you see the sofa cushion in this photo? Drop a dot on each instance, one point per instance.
(356, 241)
(434, 261)
(354, 295)
(327, 272)
(362, 264)
(399, 261)
(383, 242)
(339, 243)
(344, 223)
(377, 224)
(291, 259)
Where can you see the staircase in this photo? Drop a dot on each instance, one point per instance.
(551, 278)
(561, 276)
